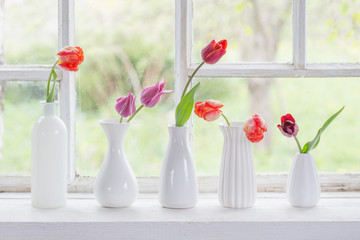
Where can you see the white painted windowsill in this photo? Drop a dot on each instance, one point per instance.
(337, 216)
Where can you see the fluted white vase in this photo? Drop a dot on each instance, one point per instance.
(178, 181)
(115, 184)
(49, 160)
(237, 185)
(303, 185)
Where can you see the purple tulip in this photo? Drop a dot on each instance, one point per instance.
(150, 96)
(125, 106)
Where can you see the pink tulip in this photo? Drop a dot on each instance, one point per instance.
(150, 96)
(125, 106)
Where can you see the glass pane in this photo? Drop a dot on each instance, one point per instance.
(310, 101)
(333, 30)
(257, 31)
(131, 47)
(20, 111)
(30, 31)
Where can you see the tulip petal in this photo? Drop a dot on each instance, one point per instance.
(283, 132)
(214, 103)
(208, 49)
(223, 43)
(214, 56)
(212, 115)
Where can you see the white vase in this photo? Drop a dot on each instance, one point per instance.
(49, 160)
(178, 181)
(115, 184)
(303, 185)
(237, 184)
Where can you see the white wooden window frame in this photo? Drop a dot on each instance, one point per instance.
(183, 68)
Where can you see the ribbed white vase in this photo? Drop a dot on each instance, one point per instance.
(303, 185)
(237, 185)
(49, 160)
(116, 184)
(178, 181)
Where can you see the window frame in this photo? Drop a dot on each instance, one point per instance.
(267, 182)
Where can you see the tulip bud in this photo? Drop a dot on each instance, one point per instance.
(150, 96)
(288, 126)
(212, 53)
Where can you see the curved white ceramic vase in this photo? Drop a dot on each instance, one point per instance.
(178, 181)
(237, 185)
(303, 185)
(49, 160)
(115, 184)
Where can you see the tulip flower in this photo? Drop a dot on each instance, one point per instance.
(254, 128)
(125, 106)
(69, 59)
(209, 110)
(288, 126)
(150, 96)
(212, 53)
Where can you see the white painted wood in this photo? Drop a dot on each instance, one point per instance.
(299, 33)
(274, 70)
(275, 182)
(67, 87)
(270, 218)
(27, 73)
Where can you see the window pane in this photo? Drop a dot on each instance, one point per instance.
(21, 110)
(131, 47)
(310, 101)
(30, 31)
(257, 31)
(333, 30)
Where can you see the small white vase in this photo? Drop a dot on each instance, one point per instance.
(303, 185)
(115, 184)
(178, 181)
(237, 185)
(49, 160)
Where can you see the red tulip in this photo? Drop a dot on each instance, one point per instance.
(209, 110)
(254, 128)
(70, 58)
(288, 126)
(212, 53)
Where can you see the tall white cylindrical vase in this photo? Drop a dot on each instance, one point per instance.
(49, 160)
(178, 180)
(115, 184)
(303, 185)
(237, 185)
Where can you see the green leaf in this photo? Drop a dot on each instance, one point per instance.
(313, 143)
(185, 107)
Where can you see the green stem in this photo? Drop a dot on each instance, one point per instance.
(121, 119)
(48, 84)
(137, 110)
(190, 78)
(227, 121)
(298, 144)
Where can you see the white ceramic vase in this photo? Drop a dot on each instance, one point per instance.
(49, 160)
(115, 184)
(303, 185)
(178, 181)
(237, 184)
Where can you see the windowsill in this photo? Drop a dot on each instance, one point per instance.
(336, 217)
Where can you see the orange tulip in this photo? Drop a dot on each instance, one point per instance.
(254, 128)
(70, 58)
(209, 110)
